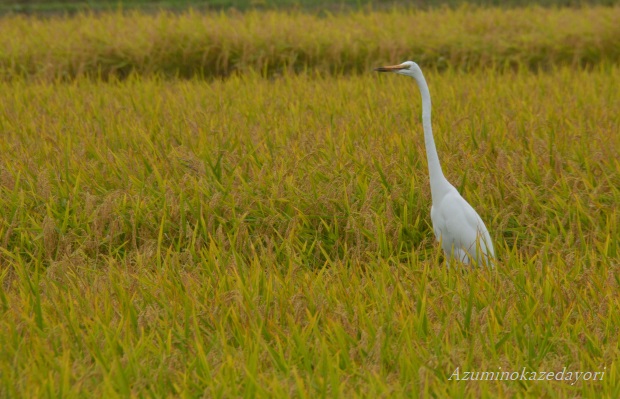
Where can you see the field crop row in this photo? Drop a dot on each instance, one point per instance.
(72, 6)
(217, 44)
(271, 237)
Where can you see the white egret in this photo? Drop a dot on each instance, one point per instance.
(457, 226)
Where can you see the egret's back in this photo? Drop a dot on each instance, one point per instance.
(460, 230)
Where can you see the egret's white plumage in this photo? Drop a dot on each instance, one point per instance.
(456, 224)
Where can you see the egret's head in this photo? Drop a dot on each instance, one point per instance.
(408, 68)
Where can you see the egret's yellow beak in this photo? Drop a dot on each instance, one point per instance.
(391, 68)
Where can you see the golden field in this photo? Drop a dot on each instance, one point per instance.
(218, 44)
(268, 235)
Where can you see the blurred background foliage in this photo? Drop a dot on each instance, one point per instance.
(70, 6)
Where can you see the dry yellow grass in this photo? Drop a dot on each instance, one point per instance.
(255, 237)
(215, 44)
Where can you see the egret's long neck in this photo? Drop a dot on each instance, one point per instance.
(438, 181)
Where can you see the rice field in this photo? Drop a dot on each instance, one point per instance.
(192, 44)
(268, 234)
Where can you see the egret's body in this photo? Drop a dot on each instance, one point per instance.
(457, 226)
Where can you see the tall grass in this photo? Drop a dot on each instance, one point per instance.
(216, 44)
(254, 237)
(73, 6)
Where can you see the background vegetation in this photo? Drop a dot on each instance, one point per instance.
(218, 44)
(72, 6)
(268, 234)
